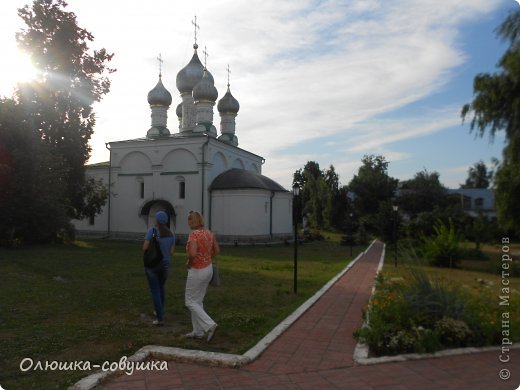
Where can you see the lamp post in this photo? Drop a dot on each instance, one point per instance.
(396, 208)
(296, 192)
(351, 238)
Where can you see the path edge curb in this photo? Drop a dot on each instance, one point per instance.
(216, 358)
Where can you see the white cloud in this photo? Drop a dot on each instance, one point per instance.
(301, 70)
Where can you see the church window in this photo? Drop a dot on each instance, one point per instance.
(479, 203)
(181, 187)
(182, 190)
(91, 220)
(140, 187)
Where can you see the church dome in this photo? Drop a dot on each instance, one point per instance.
(190, 75)
(241, 179)
(178, 111)
(205, 89)
(159, 95)
(228, 104)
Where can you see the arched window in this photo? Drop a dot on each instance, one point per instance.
(181, 187)
(140, 184)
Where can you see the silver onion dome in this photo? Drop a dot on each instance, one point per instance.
(205, 89)
(190, 75)
(159, 95)
(228, 104)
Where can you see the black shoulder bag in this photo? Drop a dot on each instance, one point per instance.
(153, 255)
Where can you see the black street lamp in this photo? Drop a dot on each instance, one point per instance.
(396, 209)
(351, 238)
(296, 192)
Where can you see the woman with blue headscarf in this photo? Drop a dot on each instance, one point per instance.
(157, 275)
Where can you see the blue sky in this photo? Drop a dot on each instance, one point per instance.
(328, 81)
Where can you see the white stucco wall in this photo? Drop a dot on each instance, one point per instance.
(282, 213)
(240, 212)
(161, 165)
(247, 212)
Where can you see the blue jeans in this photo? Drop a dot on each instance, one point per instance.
(156, 279)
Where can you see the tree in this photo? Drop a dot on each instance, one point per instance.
(442, 250)
(478, 176)
(32, 189)
(372, 185)
(321, 199)
(507, 185)
(335, 211)
(422, 193)
(46, 126)
(59, 103)
(496, 107)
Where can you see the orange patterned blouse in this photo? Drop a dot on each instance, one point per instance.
(204, 239)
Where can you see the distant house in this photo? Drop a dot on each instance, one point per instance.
(476, 201)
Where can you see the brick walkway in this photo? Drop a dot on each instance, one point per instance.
(316, 353)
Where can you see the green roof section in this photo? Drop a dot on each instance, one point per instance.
(104, 164)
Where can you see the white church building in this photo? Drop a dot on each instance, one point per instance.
(192, 169)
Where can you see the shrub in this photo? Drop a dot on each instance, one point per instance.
(422, 315)
(452, 332)
(432, 300)
(442, 250)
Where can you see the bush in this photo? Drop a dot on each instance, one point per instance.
(432, 300)
(426, 316)
(442, 250)
(472, 253)
(452, 332)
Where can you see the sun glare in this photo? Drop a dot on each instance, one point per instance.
(16, 68)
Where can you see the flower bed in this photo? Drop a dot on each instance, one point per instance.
(418, 314)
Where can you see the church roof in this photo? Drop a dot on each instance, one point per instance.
(191, 74)
(228, 104)
(159, 95)
(242, 179)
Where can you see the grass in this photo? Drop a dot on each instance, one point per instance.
(89, 301)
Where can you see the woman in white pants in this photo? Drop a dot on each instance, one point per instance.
(201, 248)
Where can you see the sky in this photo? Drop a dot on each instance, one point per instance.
(327, 81)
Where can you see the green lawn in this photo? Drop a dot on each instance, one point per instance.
(89, 301)
(473, 274)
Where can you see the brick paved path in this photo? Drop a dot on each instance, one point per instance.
(316, 353)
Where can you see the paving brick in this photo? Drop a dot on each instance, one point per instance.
(316, 353)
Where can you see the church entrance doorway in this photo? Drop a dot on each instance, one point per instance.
(149, 210)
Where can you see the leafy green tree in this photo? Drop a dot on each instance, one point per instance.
(46, 126)
(496, 107)
(305, 178)
(478, 176)
(32, 189)
(59, 103)
(507, 184)
(422, 193)
(442, 250)
(335, 212)
(321, 199)
(372, 185)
